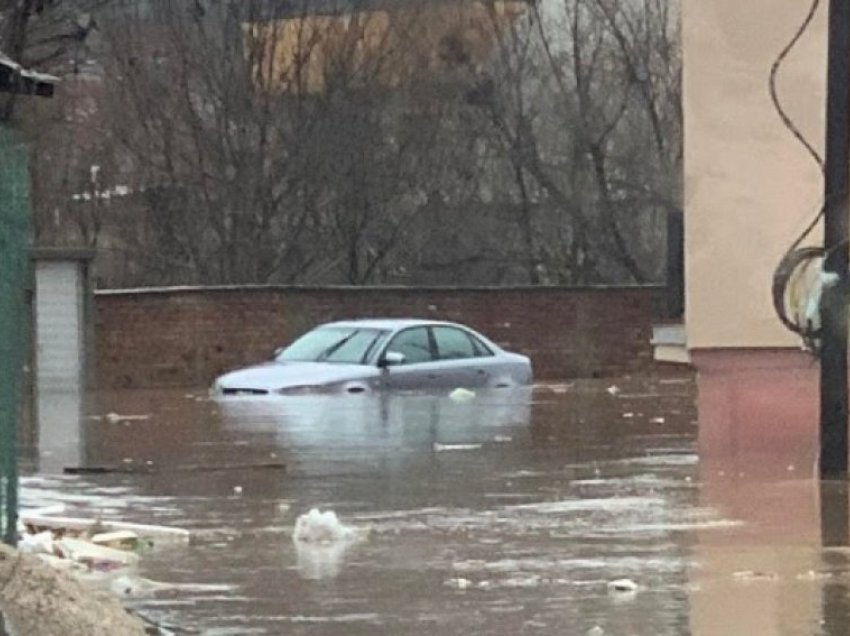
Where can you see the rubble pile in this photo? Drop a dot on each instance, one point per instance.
(38, 599)
(60, 560)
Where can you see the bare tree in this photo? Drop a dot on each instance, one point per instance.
(469, 142)
(578, 117)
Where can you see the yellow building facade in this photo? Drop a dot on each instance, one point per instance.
(377, 47)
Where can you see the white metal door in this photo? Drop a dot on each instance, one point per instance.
(59, 328)
(59, 366)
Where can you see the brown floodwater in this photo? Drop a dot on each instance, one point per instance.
(509, 513)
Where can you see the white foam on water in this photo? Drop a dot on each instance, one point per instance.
(672, 526)
(670, 459)
(643, 480)
(610, 504)
(321, 527)
(531, 581)
(235, 631)
(400, 514)
(321, 542)
(342, 618)
(455, 447)
(568, 566)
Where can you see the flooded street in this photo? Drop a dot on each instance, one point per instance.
(509, 513)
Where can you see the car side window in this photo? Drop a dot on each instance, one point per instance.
(454, 344)
(414, 344)
(481, 350)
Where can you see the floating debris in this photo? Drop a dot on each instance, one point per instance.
(814, 575)
(118, 540)
(459, 584)
(116, 418)
(37, 543)
(622, 586)
(533, 580)
(79, 527)
(749, 576)
(455, 447)
(94, 557)
(613, 390)
(129, 466)
(657, 420)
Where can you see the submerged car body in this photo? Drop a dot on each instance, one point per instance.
(360, 356)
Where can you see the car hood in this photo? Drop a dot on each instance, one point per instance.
(278, 375)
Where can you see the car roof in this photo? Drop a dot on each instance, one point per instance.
(390, 324)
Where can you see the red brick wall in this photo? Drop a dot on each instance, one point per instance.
(185, 337)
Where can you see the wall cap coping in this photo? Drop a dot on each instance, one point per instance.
(193, 289)
(62, 254)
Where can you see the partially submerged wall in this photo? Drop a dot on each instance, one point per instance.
(187, 336)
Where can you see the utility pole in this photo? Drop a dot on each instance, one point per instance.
(14, 273)
(833, 367)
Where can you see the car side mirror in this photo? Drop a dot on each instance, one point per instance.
(391, 359)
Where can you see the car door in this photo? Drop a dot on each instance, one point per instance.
(462, 361)
(418, 370)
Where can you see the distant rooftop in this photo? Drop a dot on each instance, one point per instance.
(274, 9)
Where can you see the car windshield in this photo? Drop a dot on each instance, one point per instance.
(334, 344)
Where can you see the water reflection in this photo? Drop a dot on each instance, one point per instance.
(320, 561)
(384, 423)
(785, 570)
(834, 514)
(835, 539)
(59, 430)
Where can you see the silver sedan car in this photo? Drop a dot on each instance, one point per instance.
(361, 356)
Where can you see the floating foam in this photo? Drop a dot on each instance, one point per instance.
(321, 528)
(321, 542)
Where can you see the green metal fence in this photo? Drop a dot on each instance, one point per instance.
(14, 269)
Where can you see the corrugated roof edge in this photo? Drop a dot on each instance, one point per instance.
(7, 61)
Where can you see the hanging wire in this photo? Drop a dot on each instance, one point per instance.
(774, 93)
(797, 264)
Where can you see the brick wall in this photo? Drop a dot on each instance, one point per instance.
(187, 336)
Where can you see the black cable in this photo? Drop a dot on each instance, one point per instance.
(774, 95)
(793, 256)
(786, 119)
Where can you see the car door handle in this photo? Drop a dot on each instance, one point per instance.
(432, 376)
(481, 372)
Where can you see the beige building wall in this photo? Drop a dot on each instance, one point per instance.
(750, 187)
